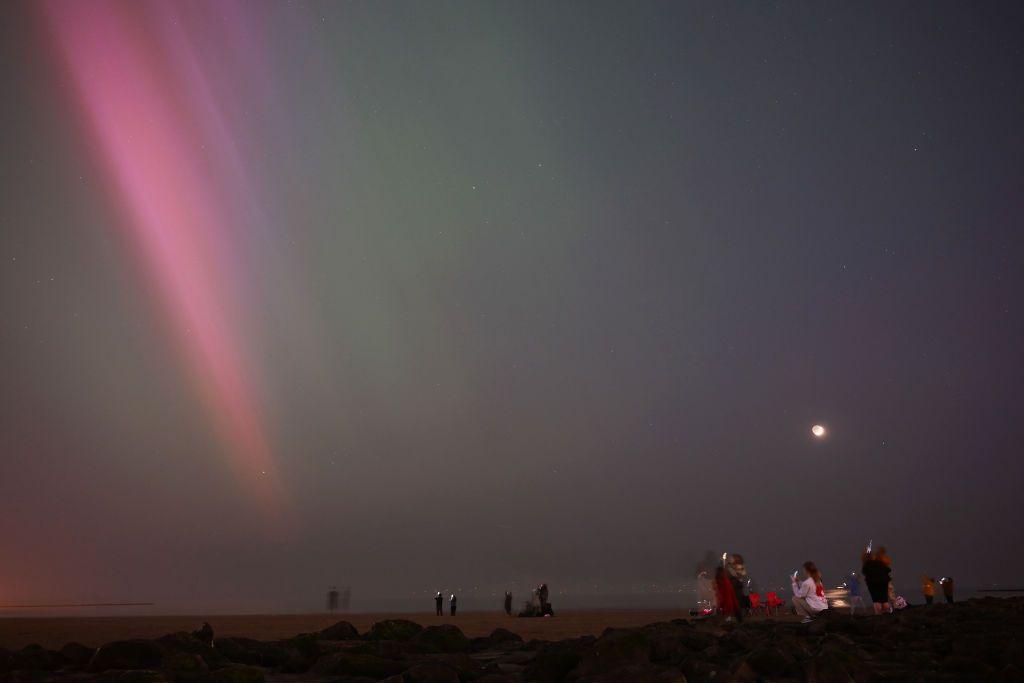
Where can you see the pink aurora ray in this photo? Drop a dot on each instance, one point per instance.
(175, 176)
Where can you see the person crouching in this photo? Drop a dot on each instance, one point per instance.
(809, 593)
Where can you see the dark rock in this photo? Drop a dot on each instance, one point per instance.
(252, 652)
(233, 673)
(615, 649)
(501, 636)
(394, 629)
(494, 678)
(36, 658)
(132, 676)
(638, 673)
(554, 661)
(343, 630)
(443, 638)
(465, 666)
(431, 672)
(389, 649)
(128, 655)
(345, 663)
(77, 655)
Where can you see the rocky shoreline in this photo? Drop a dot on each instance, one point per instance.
(974, 640)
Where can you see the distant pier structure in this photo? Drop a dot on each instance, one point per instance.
(339, 600)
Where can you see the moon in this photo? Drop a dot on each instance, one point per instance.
(818, 431)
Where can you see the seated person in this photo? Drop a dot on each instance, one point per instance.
(809, 593)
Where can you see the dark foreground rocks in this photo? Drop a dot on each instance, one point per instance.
(979, 640)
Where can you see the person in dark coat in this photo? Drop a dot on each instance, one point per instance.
(205, 634)
(508, 603)
(947, 588)
(452, 604)
(439, 603)
(877, 576)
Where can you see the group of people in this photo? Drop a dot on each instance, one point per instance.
(730, 587)
(727, 593)
(537, 607)
(453, 604)
(928, 588)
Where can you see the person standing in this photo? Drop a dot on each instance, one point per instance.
(928, 589)
(725, 595)
(738, 576)
(439, 604)
(452, 604)
(853, 586)
(542, 593)
(947, 588)
(877, 577)
(508, 603)
(809, 594)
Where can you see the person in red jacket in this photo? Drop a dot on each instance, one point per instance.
(726, 595)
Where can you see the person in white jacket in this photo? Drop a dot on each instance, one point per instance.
(809, 593)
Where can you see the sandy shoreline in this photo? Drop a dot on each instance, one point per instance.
(53, 632)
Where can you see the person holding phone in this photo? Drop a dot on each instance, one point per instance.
(808, 593)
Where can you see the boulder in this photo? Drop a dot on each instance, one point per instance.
(443, 638)
(132, 676)
(554, 661)
(77, 655)
(252, 652)
(431, 672)
(615, 649)
(771, 662)
(234, 673)
(128, 655)
(343, 630)
(349, 664)
(36, 658)
(494, 678)
(394, 629)
(502, 636)
(638, 673)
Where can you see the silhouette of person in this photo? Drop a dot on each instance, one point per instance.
(508, 603)
(947, 588)
(542, 593)
(439, 603)
(204, 634)
(452, 604)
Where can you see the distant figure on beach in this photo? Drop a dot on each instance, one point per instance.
(853, 586)
(452, 604)
(204, 634)
(439, 604)
(809, 593)
(542, 593)
(928, 589)
(738, 575)
(725, 596)
(508, 603)
(332, 599)
(947, 588)
(877, 576)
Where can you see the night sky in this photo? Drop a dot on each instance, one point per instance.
(408, 296)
